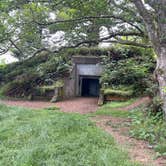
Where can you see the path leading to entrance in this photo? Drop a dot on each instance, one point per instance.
(78, 105)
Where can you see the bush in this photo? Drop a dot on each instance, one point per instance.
(134, 68)
(152, 86)
(155, 106)
(147, 126)
(43, 69)
(22, 86)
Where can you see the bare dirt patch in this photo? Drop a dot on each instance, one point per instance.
(138, 150)
(78, 105)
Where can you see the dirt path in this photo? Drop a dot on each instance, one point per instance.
(138, 150)
(78, 105)
(138, 102)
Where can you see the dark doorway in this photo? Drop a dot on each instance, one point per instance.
(90, 87)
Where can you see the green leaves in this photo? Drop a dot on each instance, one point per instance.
(132, 67)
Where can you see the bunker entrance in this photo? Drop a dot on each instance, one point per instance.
(90, 87)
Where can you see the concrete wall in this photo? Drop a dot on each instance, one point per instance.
(89, 69)
(69, 85)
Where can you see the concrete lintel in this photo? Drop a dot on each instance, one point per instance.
(86, 59)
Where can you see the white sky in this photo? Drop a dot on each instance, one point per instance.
(8, 58)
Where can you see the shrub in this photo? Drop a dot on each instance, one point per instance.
(133, 68)
(147, 126)
(22, 86)
(43, 69)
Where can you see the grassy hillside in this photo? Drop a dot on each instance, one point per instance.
(127, 66)
(21, 79)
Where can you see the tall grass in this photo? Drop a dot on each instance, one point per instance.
(50, 138)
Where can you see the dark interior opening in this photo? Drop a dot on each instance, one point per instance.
(90, 87)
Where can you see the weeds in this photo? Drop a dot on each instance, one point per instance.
(147, 126)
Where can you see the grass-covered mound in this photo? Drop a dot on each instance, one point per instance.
(46, 137)
(121, 66)
(133, 71)
(24, 78)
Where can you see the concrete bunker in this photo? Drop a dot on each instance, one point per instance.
(84, 77)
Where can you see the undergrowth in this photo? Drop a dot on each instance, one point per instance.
(152, 128)
(52, 138)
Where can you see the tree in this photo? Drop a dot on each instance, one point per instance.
(154, 16)
(81, 21)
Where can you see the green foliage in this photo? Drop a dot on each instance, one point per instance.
(56, 64)
(122, 66)
(2, 67)
(22, 86)
(46, 137)
(94, 51)
(148, 84)
(133, 68)
(113, 113)
(147, 126)
(42, 70)
(46, 89)
(22, 67)
(118, 104)
(155, 106)
(2, 63)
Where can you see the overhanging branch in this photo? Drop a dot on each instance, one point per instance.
(88, 18)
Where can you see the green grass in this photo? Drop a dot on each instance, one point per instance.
(113, 113)
(122, 93)
(150, 127)
(52, 138)
(119, 104)
(110, 109)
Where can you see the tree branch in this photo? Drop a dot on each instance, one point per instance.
(87, 18)
(106, 39)
(3, 51)
(147, 17)
(12, 42)
(149, 20)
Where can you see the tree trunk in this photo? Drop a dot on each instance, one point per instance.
(156, 27)
(160, 73)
